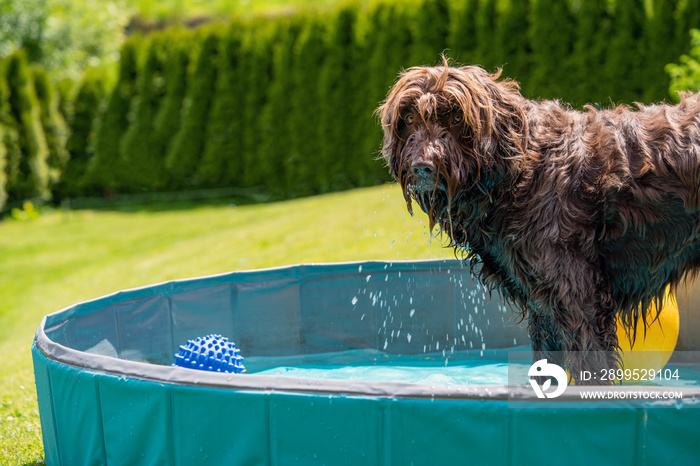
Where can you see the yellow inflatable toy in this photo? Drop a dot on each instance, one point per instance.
(653, 350)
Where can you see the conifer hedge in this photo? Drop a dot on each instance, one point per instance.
(29, 176)
(54, 125)
(87, 103)
(138, 146)
(285, 104)
(8, 137)
(107, 170)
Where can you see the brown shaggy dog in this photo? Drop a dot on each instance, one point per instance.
(574, 217)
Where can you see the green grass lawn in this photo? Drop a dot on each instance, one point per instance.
(66, 257)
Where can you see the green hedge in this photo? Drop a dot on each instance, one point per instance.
(54, 125)
(107, 170)
(28, 174)
(286, 104)
(87, 104)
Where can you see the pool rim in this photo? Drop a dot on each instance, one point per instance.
(268, 383)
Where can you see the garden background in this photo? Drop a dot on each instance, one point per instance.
(280, 105)
(141, 143)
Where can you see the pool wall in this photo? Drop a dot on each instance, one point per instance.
(107, 394)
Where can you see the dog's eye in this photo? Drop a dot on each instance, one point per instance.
(409, 119)
(457, 118)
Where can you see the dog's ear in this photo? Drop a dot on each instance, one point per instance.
(390, 117)
(388, 114)
(493, 112)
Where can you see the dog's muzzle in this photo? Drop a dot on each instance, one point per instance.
(427, 188)
(423, 176)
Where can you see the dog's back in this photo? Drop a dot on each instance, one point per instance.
(651, 227)
(634, 179)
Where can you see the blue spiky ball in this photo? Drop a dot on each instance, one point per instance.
(211, 353)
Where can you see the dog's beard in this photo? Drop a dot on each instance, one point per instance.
(441, 207)
(457, 210)
(432, 199)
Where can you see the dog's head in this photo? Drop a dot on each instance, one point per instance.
(449, 131)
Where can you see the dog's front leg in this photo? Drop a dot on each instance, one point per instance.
(544, 335)
(571, 315)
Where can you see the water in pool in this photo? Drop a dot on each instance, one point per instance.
(463, 368)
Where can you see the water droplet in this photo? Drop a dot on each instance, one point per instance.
(408, 337)
(354, 300)
(413, 311)
(368, 277)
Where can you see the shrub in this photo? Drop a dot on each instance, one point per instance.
(304, 126)
(593, 31)
(463, 31)
(485, 33)
(286, 103)
(28, 177)
(687, 17)
(624, 57)
(3, 165)
(657, 32)
(143, 160)
(256, 66)
(107, 169)
(387, 45)
(430, 30)
(274, 161)
(87, 105)
(188, 144)
(63, 36)
(511, 44)
(9, 144)
(55, 126)
(338, 93)
(686, 75)
(167, 120)
(551, 41)
(221, 161)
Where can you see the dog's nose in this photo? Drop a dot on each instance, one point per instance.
(422, 170)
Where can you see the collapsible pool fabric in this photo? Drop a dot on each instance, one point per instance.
(372, 363)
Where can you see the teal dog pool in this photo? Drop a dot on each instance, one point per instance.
(371, 363)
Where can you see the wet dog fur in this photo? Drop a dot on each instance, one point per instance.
(575, 217)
